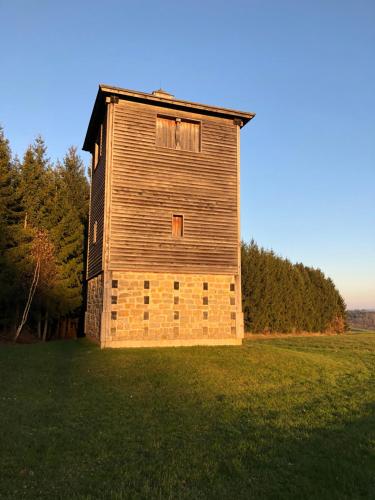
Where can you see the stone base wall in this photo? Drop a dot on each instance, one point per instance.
(151, 309)
(94, 308)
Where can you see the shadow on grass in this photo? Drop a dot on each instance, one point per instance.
(85, 423)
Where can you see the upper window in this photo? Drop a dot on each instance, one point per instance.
(178, 133)
(95, 232)
(98, 147)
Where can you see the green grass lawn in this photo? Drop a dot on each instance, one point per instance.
(278, 418)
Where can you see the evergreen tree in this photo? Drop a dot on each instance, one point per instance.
(36, 186)
(72, 175)
(36, 190)
(8, 200)
(37, 199)
(6, 203)
(71, 208)
(9, 234)
(281, 297)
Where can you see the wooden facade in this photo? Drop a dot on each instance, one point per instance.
(164, 199)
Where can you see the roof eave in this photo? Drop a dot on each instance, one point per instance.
(132, 95)
(94, 113)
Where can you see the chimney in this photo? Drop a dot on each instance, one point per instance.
(162, 93)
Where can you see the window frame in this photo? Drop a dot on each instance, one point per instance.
(179, 119)
(175, 237)
(95, 233)
(98, 147)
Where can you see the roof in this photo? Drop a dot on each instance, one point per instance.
(157, 98)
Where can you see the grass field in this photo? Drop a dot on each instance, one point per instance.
(279, 418)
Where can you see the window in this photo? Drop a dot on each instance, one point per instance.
(95, 232)
(178, 133)
(98, 147)
(177, 226)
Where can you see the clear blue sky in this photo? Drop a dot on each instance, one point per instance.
(307, 68)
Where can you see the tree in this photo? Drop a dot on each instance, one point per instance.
(36, 186)
(43, 276)
(71, 207)
(40, 202)
(279, 296)
(9, 234)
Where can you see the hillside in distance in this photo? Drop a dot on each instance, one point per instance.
(361, 318)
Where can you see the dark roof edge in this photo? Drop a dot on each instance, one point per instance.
(132, 95)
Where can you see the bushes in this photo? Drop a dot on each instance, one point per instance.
(279, 296)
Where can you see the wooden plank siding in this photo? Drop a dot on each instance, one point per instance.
(151, 183)
(95, 250)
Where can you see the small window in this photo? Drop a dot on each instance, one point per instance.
(205, 286)
(98, 147)
(114, 283)
(146, 299)
(176, 285)
(178, 133)
(146, 285)
(95, 232)
(177, 226)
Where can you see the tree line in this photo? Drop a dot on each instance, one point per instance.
(361, 318)
(279, 296)
(43, 230)
(43, 220)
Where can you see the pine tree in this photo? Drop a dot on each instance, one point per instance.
(71, 207)
(37, 199)
(9, 234)
(72, 174)
(36, 186)
(5, 209)
(279, 296)
(36, 190)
